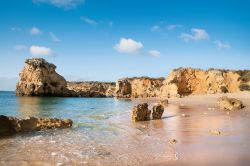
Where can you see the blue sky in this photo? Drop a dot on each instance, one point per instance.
(105, 40)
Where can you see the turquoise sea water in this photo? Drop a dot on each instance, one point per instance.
(102, 133)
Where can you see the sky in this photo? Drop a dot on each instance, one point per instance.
(104, 40)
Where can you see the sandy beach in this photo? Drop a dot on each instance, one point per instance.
(190, 125)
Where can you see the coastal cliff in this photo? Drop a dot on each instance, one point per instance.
(185, 81)
(39, 78)
(138, 87)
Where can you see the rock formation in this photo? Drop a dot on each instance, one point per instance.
(138, 87)
(141, 112)
(158, 110)
(12, 125)
(39, 78)
(92, 88)
(229, 104)
(185, 81)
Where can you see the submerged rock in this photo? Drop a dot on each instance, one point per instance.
(141, 112)
(229, 104)
(11, 125)
(158, 110)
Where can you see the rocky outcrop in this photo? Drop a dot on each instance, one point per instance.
(12, 125)
(229, 104)
(141, 112)
(158, 110)
(39, 78)
(138, 87)
(92, 88)
(185, 81)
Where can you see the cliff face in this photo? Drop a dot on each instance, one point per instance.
(139, 87)
(185, 81)
(92, 88)
(39, 78)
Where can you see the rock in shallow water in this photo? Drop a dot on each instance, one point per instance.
(229, 104)
(158, 110)
(11, 125)
(141, 112)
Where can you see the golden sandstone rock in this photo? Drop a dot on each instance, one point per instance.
(158, 110)
(12, 125)
(39, 78)
(229, 104)
(141, 112)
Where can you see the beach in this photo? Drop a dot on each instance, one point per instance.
(109, 137)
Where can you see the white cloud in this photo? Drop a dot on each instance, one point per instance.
(173, 26)
(66, 4)
(221, 45)
(155, 28)
(154, 53)
(129, 46)
(40, 50)
(89, 21)
(35, 31)
(20, 47)
(54, 37)
(195, 35)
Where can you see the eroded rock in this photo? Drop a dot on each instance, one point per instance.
(141, 112)
(39, 78)
(11, 125)
(229, 104)
(158, 110)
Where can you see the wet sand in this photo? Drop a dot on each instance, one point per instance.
(196, 145)
(119, 141)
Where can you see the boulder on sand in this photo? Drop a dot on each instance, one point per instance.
(158, 110)
(229, 104)
(141, 112)
(11, 125)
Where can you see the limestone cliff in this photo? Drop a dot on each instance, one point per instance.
(92, 88)
(185, 81)
(39, 78)
(138, 87)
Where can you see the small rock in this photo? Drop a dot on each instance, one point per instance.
(229, 104)
(215, 132)
(172, 141)
(141, 112)
(158, 110)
